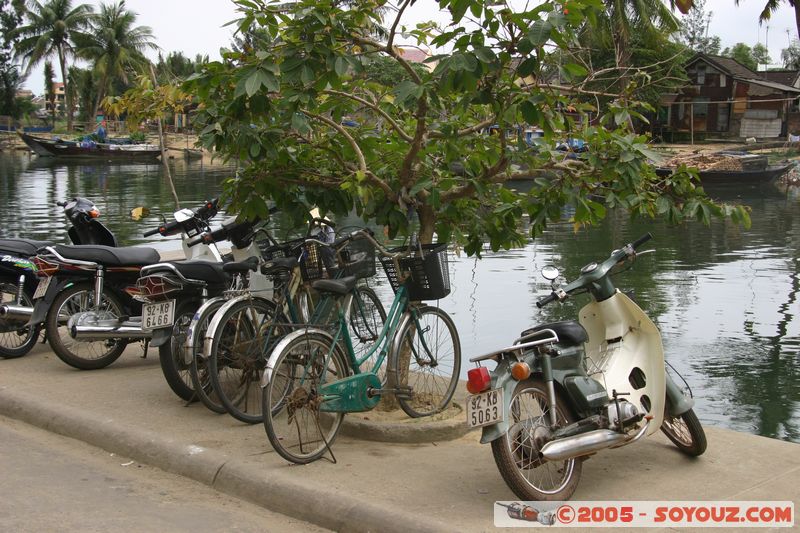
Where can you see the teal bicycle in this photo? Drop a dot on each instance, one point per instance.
(313, 376)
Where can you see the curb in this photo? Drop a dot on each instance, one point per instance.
(277, 491)
(410, 432)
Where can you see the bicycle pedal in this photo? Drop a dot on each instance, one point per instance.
(405, 393)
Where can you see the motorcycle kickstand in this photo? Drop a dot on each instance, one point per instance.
(146, 346)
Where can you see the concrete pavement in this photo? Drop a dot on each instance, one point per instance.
(128, 409)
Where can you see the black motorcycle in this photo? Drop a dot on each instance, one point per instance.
(98, 283)
(18, 280)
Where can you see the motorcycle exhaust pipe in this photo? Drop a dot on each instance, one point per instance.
(590, 442)
(89, 327)
(16, 312)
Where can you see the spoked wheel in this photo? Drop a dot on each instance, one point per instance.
(428, 361)
(247, 333)
(171, 355)
(85, 355)
(16, 339)
(685, 432)
(517, 452)
(296, 423)
(367, 317)
(199, 370)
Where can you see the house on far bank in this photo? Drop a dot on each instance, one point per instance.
(726, 100)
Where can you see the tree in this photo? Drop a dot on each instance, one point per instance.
(791, 56)
(49, 89)
(743, 54)
(423, 152)
(772, 5)
(176, 66)
(761, 55)
(85, 84)
(694, 30)
(51, 29)
(114, 45)
(10, 77)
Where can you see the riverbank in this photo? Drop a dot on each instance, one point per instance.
(128, 410)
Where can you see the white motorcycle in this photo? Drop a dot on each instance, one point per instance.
(567, 390)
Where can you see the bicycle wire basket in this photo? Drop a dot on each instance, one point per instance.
(357, 258)
(429, 277)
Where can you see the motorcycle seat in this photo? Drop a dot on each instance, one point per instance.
(108, 256)
(208, 271)
(339, 286)
(569, 332)
(27, 247)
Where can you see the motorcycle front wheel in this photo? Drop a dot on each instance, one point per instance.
(517, 451)
(16, 339)
(685, 432)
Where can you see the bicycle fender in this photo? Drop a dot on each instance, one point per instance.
(188, 348)
(677, 403)
(276, 352)
(215, 323)
(501, 379)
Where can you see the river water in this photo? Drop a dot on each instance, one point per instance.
(725, 298)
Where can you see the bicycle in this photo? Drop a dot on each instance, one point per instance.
(244, 330)
(314, 377)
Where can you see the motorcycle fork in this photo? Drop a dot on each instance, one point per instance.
(547, 375)
(99, 279)
(20, 288)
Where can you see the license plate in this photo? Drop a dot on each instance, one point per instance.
(485, 408)
(158, 315)
(41, 288)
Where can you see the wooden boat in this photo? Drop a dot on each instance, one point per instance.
(75, 149)
(765, 175)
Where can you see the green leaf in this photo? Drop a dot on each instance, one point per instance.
(253, 83)
(663, 205)
(485, 54)
(574, 70)
(531, 113)
(255, 149)
(340, 66)
(539, 33)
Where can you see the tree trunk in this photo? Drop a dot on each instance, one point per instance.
(427, 223)
(163, 144)
(67, 97)
(100, 94)
(797, 17)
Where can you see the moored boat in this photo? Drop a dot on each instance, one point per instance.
(765, 175)
(88, 149)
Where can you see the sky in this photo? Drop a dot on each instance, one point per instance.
(197, 26)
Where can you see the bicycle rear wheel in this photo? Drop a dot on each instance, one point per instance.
(428, 361)
(297, 427)
(248, 331)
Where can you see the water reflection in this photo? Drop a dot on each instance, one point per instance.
(725, 298)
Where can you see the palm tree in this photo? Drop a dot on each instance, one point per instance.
(622, 19)
(114, 45)
(52, 28)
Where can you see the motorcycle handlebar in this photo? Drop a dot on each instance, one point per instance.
(641, 240)
(150, 232)
(546, 300)
(61, 204)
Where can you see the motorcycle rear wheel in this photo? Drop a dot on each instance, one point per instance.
(84, 355)
(176, 370)
(685, 432)
(516, 453)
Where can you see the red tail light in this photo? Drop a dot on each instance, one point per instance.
(478, 380)
(94, 213)
(44, 267)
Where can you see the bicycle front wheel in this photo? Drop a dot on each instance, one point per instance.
(248, 331)
(296, 425)
(367, 317)
(428, 362)
(199, 367)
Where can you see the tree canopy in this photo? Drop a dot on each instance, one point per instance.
(423, 152)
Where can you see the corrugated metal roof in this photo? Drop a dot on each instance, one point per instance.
(773, 85)
(786, 77)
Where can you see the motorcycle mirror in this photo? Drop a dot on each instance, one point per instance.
(183, 215)
(138, 213)
(550, 272)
